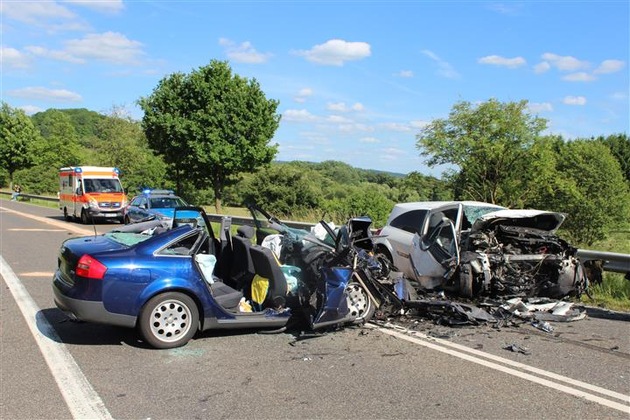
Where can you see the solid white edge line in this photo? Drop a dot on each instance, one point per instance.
(81, 399)
(61, 225)
(541, 381)
(522, 366)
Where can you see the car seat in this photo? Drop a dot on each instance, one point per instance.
(241, 267)
(266, 266)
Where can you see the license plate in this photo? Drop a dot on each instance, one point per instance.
(110, 215)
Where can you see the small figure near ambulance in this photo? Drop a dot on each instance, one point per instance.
(91, 192)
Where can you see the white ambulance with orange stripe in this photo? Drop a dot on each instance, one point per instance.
(91, 192)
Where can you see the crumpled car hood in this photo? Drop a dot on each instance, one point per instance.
(536, 219)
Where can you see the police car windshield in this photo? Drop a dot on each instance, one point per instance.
(166, 202)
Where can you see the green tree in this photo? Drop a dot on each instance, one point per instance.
(493, 148)
(590, 188)
(122, 144)
(57, 147)
(17, 135)
(619, 145)
(212, 125)
(362, 200)
(284, 190)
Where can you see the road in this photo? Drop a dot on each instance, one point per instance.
(54, 368)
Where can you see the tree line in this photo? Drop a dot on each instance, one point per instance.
(207, 134)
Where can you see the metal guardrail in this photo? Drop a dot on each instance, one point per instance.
(37, 197)
(611, 261)
(211, 216)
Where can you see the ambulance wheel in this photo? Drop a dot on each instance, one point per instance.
(85, 219)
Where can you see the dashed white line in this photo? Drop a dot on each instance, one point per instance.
(466, 353)
(82, 400)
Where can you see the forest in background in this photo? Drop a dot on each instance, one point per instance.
(306, 190)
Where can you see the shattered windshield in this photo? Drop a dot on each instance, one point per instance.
(475, 212)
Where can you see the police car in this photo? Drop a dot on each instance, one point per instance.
(152, 203)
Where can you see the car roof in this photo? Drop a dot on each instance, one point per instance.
(430, 205)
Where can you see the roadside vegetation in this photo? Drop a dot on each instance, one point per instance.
(209, 134)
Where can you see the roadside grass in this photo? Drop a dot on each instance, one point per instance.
(614, 291)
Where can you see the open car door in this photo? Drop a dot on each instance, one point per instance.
(435, 256)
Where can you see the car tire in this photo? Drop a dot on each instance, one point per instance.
(169, 320)
(85, 218)
(360, 304)
(465, 281)
(66, 215)
(126, 220)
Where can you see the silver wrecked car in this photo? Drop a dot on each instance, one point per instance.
(480, 249)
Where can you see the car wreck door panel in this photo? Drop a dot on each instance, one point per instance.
(434, 257)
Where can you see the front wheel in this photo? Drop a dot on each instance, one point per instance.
(66, 215)
(169, 320)
(85, 218)
(359, 303)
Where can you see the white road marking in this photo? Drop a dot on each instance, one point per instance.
(461, 352)
(57, 223)
(81, 399)
(35, 230)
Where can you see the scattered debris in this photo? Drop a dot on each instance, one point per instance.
(517, 349)
(543, 326)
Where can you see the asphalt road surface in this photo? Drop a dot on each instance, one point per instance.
(53, 368)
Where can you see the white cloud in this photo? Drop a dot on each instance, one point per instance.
(339, 107)
(303, 95)
(243, 52)
(111, 47)
(565, 63)
(395, 127)
(336, 52)
(609, 66)
(540, 107)
(444, 68)
(497, 60)
(619, 96)
(35, 12)
(370, 140)
(419, 124)
(42, 93)
(59, 55)
(105, 6)
(354, 127)
(405, 73)
(342, 107)
(46, 14)
(358, 106)
(31, 109)
(579, 77)
(338, 119)
(298, 115)
(574, 100)
(13, 58)
(542, 67)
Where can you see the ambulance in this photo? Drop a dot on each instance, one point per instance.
(91, 192)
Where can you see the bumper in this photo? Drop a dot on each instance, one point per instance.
(90, 311)
(105, 214)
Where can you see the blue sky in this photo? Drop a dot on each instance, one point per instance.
(356, 80)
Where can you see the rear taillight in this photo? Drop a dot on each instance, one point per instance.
(90, 268)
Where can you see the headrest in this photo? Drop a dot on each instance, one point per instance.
(246, 231)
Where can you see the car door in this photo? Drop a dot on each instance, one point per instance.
(400, 233)
(434, 253)
(137, 210)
